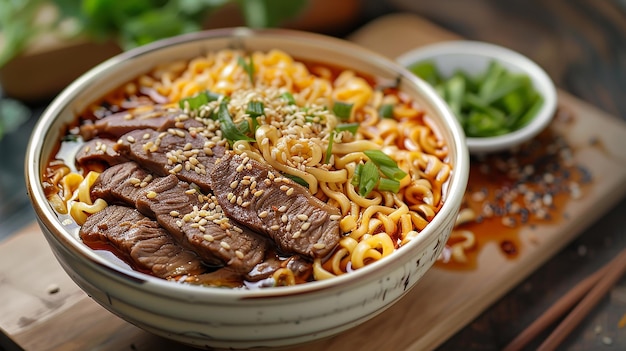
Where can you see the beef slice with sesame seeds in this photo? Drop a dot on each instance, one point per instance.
(142, 240)
(99, 151)
(188, 156)
(122, 184)
(294, 219)
(118, 124)
(176, 207)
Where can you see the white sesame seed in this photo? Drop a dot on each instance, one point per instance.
(296, 235)
(284, 188)
(289, 192)
(130, 139)
(319, 246)
(234, 184)
(151, 194)
(282, 208)
(275, 227)
(258, 193)
(239, 254)
(174, 213)
(208, 237)
(302, 217)
(225, 245)
(334, 217)
(284, 218)
(305, 225)
(263, 214)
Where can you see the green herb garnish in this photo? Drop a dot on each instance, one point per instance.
(386, 184)
(287, 96)
(255, 109)
(368, 178)
(297, 179)
(228, 127)
(386, 164)
(386, 111)
(350, 127)
(247, 66)
(343, 110)
(493, 103)
(195, 102)
(329, 148)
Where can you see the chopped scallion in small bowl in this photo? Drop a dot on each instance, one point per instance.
(500, 97)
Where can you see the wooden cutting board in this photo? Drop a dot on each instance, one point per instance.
(43, 309)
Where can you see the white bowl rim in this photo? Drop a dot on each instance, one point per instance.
(47, 216)
(541, 80)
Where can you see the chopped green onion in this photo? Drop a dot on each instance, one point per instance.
(287, 96)
(392, 172)
(247, 66)
(357, 174)
(343, 110)
(198, 100)
(244, 126)
(255, 109)
(454, 91)
(492, 103)
(228, 127)
(368, 178)
(386, 111)
(385, 184)
(297, 179)
(386, 164)
(427, 71)
(329, 149)
(350, 127)
(70, 137)
(530, 113)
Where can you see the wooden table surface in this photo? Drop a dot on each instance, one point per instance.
(591, 65)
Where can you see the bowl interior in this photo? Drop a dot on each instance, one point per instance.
(474, 57)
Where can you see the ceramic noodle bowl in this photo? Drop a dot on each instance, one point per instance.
(243, 318)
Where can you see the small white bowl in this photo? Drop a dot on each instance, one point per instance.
(474, 57)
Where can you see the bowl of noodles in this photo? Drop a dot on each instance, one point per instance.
(237, 188)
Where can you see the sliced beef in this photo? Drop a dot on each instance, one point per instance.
(194, 220)
(123, 184)
(118, 124)
(257, 196)
(301, 268)
(100, 151)
(148, 246)
(189, 156)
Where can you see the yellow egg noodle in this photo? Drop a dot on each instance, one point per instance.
(294, 140)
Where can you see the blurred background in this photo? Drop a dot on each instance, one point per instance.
(46, 44)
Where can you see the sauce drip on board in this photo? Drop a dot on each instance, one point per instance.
(513, 191)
